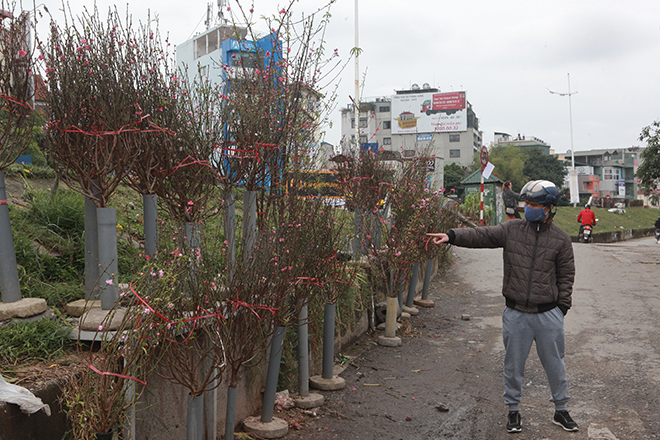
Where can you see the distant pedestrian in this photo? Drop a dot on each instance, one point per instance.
(657, 230)
(510, 201)
(539, 271)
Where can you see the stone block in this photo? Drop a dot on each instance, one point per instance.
(23, 308)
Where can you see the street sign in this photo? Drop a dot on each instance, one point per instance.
(484, 157)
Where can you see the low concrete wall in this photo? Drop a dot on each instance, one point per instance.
(161, 413)
(15, 425)
(622, 235)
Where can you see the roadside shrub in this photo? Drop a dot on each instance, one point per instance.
(63, 214)
(36, 261)
(48, 236)
(471, 207)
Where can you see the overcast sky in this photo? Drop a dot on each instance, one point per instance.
(506, 55)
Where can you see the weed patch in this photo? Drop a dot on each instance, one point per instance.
(44, 339)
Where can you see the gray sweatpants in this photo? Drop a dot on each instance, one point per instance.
(519, 331)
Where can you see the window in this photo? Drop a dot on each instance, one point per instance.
(387, 141)
(383, 108)
(244, 59)
(387, 125)
(454, 138)
(408, 153)
(363, 138)
(454, 153)
(611, 173)
(363, 122)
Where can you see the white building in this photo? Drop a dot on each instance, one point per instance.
(414, 122)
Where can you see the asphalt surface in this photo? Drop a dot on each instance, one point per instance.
(445, 380)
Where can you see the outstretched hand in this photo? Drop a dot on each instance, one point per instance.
(439, 238)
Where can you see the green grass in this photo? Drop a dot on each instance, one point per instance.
(43, 339)
(634, 218)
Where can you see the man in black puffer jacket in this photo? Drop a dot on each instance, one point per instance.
(538, 284)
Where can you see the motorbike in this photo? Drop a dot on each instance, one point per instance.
(657, 236)
(585, 236)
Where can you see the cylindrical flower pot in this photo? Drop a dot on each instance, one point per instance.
(150, 211)
(390, 317)
(106, 220)
(9, 283)
(104, 436)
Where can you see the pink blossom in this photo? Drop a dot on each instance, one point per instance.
(22, 53)
(108, 282)
(283, 11)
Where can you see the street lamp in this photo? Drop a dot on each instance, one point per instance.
(572, 182)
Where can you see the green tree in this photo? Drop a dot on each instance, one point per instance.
(520, 165)
(541, 167)
(509, 162)
(454, 173)
(649, 171)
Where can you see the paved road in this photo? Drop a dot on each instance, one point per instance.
(613, 359)
(613, 337)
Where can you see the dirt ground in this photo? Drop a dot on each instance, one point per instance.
(445, 380)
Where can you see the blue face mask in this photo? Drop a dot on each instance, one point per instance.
(534, 215)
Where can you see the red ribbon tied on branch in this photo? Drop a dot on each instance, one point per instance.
(107, 373)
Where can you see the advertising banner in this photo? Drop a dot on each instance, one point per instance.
(429, 113)
(622, 188)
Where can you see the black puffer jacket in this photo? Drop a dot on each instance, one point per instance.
(538, 262)
(510, 199)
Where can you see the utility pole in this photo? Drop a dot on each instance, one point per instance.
(357, 83)
(573, 184)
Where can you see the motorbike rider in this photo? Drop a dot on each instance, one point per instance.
(657, 230)
(586, 217)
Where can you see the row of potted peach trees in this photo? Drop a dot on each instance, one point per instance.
(118, 114)
(395, 207)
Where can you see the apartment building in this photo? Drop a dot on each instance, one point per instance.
(522, 141)
(606, 173)
(416, 121)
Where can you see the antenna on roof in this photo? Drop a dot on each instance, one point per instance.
(209, 12)
(221, 15)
